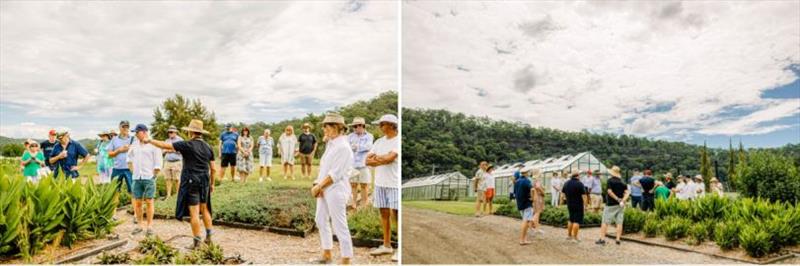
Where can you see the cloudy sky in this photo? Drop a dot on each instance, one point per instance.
(87, 65)
(686, 71)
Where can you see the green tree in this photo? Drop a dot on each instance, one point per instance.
(731, 164)
(769, 175)
(705, 165)
(179, 111)
(12, 150)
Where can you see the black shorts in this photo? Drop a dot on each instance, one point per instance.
(575, 214)
(197, 195)
(228, 159)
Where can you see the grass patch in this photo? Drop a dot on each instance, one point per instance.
(452, 207)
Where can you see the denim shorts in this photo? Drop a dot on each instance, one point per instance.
(144, 188)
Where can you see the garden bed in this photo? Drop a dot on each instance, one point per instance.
(706, 248)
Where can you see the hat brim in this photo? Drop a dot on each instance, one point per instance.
(614, 174)
(378, 122)
(356, 124)
(194, 130)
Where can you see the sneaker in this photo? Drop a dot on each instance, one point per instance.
(195, 244)
(600, 242)
(208, 240)
(618, 242)
(394, 257)
(149, 232)
(269, 179)
(321, 260)
(382, 250)
(136, 231)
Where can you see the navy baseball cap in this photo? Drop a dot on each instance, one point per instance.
(139, 127)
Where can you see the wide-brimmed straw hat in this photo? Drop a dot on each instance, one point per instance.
(334, 118)
(172, 128)
(358, 121)
(308, 125)
(195, 126)
(614, 171)
(714, 179)
(388, 118)
(104, 132)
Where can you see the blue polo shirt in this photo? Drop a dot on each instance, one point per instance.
(228, 140)
(74, 150)
(121, 160)
(522, 192)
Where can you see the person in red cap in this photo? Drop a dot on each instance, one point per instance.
(47, 147)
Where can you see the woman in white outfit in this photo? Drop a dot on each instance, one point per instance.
(287, 149)
(332, 190)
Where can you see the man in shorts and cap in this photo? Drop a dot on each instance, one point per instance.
(118, 149)
(227, 150)
(144, 161)
(575, 193)
(361, 143)
(307, 146)
(173, 162)
(383, 157)
(616, 196)
(197, 179)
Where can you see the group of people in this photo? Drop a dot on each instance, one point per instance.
(582, 191)
(189, 165)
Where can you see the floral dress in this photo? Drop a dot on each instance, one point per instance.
(245, 163)
(104, 163)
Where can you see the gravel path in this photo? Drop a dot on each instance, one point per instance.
(255, 246)
(431, 237)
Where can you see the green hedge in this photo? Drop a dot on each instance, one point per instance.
(551, 216)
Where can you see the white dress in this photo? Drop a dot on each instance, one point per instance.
(287, 145)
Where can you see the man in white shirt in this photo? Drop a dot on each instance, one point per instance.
(384, 157)
(144, 161)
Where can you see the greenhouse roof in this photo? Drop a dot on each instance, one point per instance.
(432, 180)
(547, 165)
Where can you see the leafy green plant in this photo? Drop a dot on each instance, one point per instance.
(726, 234)
(78, 212)
(770, 176)
(11, 213)
(676, 228)
(108, 258)
(756, 240)
(697, 233)
(509, 210)
(366, 224)
(710, 207)
(634, 220)
(45, 203)
(651, 227)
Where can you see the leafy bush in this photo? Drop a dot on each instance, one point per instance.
(726, 234)
(509, 210)
(634, 220)
(672, 207)
(676, 228)
(366, 224)
(756, 240)
(710, 207)
(769, 175)
(651, 227)
(108, 258)
(698, 233)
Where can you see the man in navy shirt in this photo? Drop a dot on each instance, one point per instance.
(522, 193)
(648, 188)
(575, 193)
(47, 148)
(65, 156)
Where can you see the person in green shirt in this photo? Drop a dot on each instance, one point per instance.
(32, 160)
(104, 162)
(662, 192)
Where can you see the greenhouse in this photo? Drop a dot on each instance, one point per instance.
(584, 161)
(448, 186)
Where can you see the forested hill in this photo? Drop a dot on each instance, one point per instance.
(454, 141)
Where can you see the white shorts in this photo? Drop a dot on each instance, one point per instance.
(363, 176)
(527, 214)
(265, 159)
(385, 198)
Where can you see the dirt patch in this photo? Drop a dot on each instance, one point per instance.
(431, 237)
(254, 246)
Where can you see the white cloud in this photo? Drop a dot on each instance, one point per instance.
(108, 61)
(605, 65)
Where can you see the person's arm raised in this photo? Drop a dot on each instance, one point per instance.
(159, 144)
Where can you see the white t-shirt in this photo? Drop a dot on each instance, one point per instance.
(488, 181)
(145, 158)
(691, 190)
(387, 175)
(681, 191)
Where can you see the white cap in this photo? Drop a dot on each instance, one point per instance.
(386, 118)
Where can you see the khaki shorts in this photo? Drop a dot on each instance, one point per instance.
(613, 214)
(595, 201)
(306, 158)
(363, 176)
(172, 170)
(481, 195)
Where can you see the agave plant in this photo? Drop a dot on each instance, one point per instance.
(11, 214)
(44, 204)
